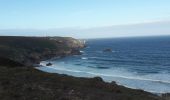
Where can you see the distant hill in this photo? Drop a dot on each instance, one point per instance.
(29, 50)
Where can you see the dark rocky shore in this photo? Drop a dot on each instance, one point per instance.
(19, 80)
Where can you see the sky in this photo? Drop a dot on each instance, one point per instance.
(85, 18)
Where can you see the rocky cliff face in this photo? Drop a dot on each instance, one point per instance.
(69, 41)
(30, 50)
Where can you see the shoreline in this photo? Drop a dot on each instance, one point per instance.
(31, 83)
(163, 95)
(51, 69)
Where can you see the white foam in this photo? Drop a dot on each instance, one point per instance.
(84, 58)
(43, 63)
(131, 78)
(108, 75)
(82, 51)
(63, 69)
(159, 83)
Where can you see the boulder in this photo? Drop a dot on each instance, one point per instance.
(49, 64)
(107, 50)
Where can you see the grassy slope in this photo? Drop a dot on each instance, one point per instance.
(27, 83)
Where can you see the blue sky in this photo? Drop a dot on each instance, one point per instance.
(80, 14)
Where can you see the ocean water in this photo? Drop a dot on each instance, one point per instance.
(140, 63)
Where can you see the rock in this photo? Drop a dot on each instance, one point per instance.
(69, 42)
(113, 83)
(166, 96)
(107, 50)
(97, 79)
(75, 52)
(49, 64)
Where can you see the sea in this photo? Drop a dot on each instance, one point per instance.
(136, 62)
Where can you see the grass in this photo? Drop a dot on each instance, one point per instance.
(27, 83)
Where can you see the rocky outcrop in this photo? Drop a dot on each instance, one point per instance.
(107, 50)
(166, 96)
(49, 64)
(69, 41)
(30, 50)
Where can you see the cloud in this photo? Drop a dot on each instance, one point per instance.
(143, 29)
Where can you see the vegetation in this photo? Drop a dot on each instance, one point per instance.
(27, 83)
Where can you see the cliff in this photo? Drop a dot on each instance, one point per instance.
(30, 50)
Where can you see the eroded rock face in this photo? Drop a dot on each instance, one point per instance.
(75, 52)
(69, 41)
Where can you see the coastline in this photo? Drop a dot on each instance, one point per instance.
(59, 69)
(19, 80)
(30, 83)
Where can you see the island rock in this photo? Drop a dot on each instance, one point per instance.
(49, 64)
(107, 50)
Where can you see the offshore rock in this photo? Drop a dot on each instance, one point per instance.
(49, 64)
(107, 50)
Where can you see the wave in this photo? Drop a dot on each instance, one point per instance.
(78, 64)
(99, 67)
(120, 60)
(64, 69)
(109, 75)
(132, 78)
(94, 57)
(84, 58)
(43, 63)
(82, 51)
